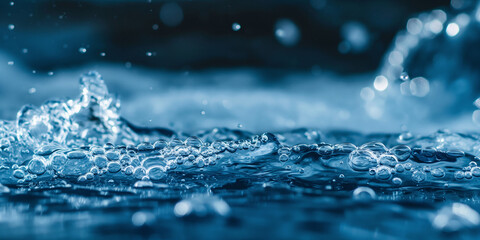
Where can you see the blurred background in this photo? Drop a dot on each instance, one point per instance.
(346, 36)
(257, 65)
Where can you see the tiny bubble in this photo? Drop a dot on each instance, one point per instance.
(404, 76)
(82, 50)
(10, 63)
(236, 27)
(11, 27)
(32, 90)
(103, 54)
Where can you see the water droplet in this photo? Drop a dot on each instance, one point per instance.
(356, 35)
(236, 26)
(419, 87)
(287, 32)
(404, 76)
(475, 171)
(452, 29)
(171, 14)
(141, 218)
(414, 26)
(380, 83)
(397, 181)
(18, 173)
(82, 50)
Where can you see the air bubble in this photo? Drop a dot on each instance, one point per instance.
(397, 181)
(364, 194)
(419, 176)
(114, 167)
(383, 173)
(361, 160)
(438, 173)
(402, 152)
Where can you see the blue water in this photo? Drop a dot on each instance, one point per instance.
(234, 158)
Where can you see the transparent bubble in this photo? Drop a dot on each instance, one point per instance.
(236, 27)
(414, 26)
(362, 160)
(452, 29)
(459, 175)
(356, 35)
(438, 172)
(156, 173)
(364, 194)
(287, 32)
(475, 171)
(380, 83)
(388, 160)
(283, 158)
(37, 166)
(397, 181)
(419, 87)
(402, 152)
(419, 176)
(404, 76)
(383, 173)
(18, 173)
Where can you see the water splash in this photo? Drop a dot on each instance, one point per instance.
(86, 140)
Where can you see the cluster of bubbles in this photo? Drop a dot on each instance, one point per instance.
(86, 139)
(394, 165)
(433, 48)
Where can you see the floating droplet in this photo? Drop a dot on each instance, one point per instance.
(236, 27)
